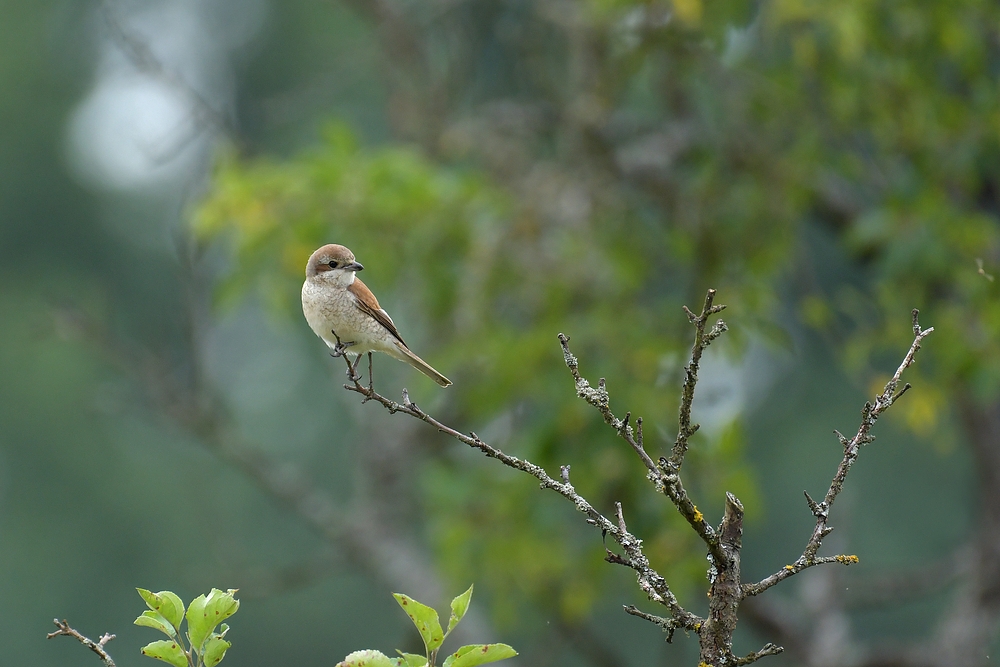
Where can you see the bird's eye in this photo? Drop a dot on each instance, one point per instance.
(333, 265)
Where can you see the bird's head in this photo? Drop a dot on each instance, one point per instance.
(333, 264)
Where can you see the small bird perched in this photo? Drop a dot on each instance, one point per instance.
(342, 311)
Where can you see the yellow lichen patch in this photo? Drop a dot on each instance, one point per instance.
(705, 664)
(789, 568)
(698, 516)
(847, 560)
(697, 627)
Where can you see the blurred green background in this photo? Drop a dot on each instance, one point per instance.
(506, 170)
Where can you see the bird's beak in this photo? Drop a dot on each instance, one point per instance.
(354, 266)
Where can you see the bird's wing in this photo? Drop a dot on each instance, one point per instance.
(368, 304)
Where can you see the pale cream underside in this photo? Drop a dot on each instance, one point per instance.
(328, 306)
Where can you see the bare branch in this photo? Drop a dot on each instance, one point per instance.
(701, 340)
(366, 537)
(650, 581)
(599, 399)
(665, 479)
(716, 637)
(668, 624)
(97, 647)
(852, 448)
(769, 649)
(727, 591)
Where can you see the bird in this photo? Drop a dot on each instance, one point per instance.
(344, 313)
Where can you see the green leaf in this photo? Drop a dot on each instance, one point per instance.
(425, 618)
(459, 606)
(167, 651)
(412, 659)
(152, 619)
(215, 650)
(204, 613)
(173, 608)
(370, 658)
(479, 654)
(166, 603)
(457, 654)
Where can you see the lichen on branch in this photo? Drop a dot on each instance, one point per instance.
(724, 545)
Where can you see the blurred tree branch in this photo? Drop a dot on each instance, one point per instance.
(138, 52)
(360, 528)
(589, 135)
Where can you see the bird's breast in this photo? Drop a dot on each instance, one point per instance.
(329, 308)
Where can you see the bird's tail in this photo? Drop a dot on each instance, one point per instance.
(421, 365)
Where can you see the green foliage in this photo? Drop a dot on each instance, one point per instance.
(151, 619)
(370, 658)
(459, 606)
(167, 651)
(480, 285)
(428, 624)
(479, 654)
(412, 659)
(838, 164)
(205, 647)
(205, 613)
(901, 155)
(425, 619)
(165, 603)
(827, 159)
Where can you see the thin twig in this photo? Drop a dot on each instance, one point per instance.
(668, 624)
(852, 448)
(769, 649)
(599, 399)
(701, 341)
(97, 647)
(667, 481)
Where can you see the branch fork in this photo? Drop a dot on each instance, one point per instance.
(852, 447)
(64, 629)
(724, 544)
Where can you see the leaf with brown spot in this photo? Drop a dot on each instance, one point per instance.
(167, 651)
(424, 618)
(479, 654)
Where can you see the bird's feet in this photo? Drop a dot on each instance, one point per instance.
(352, 370)
(341, 347)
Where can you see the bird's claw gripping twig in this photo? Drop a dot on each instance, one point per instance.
(341, 348)
(352, 370)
